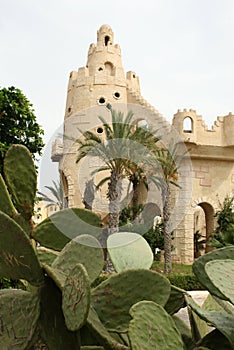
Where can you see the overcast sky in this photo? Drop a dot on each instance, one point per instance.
(182, 51)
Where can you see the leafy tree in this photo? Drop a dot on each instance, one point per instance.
(18, 123)
(57, 197)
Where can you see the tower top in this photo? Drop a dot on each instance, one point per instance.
(105, 35)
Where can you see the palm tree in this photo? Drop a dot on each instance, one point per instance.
(120, 154)
(110, 152)
(170, 160)
(57, 197)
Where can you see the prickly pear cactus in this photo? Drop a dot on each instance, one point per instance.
(53, 330)
(21, 179)
(215, 340)
(56, 275)
(19, 317)
(222, 321)
(221, 274)
(100, 332)
(17, 256)
(57, 230)
(113, 298)
(46, 255)
(76, 298)
(200, 272)
(85, 250)
(176, 300)
(6, 205)
(152, 328)
(129, 250)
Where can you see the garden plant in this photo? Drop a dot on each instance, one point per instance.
(133, 309)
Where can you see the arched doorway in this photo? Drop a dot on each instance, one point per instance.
(204, 224)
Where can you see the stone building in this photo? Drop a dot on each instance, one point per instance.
(102, 83)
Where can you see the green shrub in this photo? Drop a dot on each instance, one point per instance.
(185, 281)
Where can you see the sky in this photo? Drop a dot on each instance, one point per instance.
(182, 51)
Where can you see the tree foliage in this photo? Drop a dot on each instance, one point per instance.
(56, 196)
(18, 123)
(224, 233)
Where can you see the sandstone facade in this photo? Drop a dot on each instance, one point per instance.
(102, 83)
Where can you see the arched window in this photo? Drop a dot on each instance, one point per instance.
(109, 68)
(107, 39)
(188, 125)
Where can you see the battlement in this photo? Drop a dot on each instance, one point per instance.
(193, 129)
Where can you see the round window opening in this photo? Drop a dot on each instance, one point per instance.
(101, 100)
(117, 95)
(99, 130)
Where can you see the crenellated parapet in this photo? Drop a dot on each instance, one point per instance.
(193, 129)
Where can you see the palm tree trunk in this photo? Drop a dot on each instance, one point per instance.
(114, 195)
(167, 233)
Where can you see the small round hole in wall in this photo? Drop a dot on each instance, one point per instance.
(100, 69)
(101, 100)
(116, 95)
(69, 110)
(134, 76)
(99, 130)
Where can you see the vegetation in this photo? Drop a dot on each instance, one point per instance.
(224, 233)
(18, 123)
(121, 157)
(61, 308)
(57, 195)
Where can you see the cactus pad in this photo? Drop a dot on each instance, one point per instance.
(200, 272)
(19, 316)
(129, 250)
(91, 347)
(57, 230)
(113, 298)
(215, 341)
(101, 333)
(56, 275)
(6, 205)
(176, 300)
(76, 298)
(21, 178)
(85, 250)
(17, 256)
(152, 328)
(46, 256)
(223, 321)
(53, 330)
(221, 274)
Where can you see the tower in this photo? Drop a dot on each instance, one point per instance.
(91, 90)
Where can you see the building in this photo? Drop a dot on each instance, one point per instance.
(102, 83)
